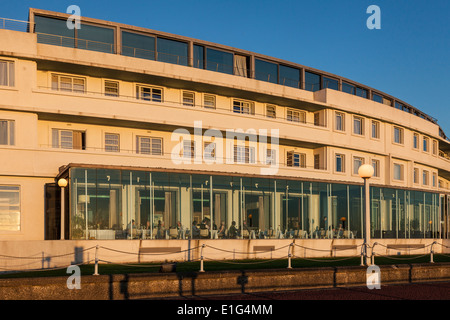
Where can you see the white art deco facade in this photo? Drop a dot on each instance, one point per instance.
(163, 137)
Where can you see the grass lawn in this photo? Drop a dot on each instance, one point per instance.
(107, 269)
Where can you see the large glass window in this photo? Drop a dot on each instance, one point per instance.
(312, 81)
(128, 204)
(172, 51)
(219, 61)
(54, 31)
(95, 38)
(199, 57)
(289, 76)
(138, 45)
(330, 83)
(9, 208)
(267, 71)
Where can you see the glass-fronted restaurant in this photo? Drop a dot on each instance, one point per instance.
(136, 204)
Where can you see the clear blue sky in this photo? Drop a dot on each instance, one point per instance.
(409, 57)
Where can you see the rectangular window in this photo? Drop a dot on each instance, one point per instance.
(425, 144)
(330, 83)
(348, 88)
(219, 61)
(398, 135)
(68, 83)
(9, 208)
(340, 121)
(375, 130)
(416, 175)
(68, 139)
(7, 77)
(138, 45)
(376, 167)
(295, 159)
(244, 154)
(398, 172)
(377, 98)
(112, 142)
(7, 132)
(188, 98)
(149, 145)
(340, 163)
(209, 150)
(188, 149)
(317, 119)
(271, 157)
(271, 111)
(209, 101)
(95, 38)
(435, 147)
(289, 76)
(357, 162)
(416, 141)
(358, 125)
(111, 88)
(312, 81)
(172, 51)
(361, 93)
(296, 116)
(317, 161)
(199, 56)
(245, 107)
(434, 179)
(266, 71)
(425, 177)
(149, 93)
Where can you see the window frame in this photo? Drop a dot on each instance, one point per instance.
(402, 168)
(342, 115)
(342, 157)
(188, 98)
(10, 76)
(401, 135)
(239, 106)
(110, 93)
(152, 93)
(361, 119)
(291, 161)
(112, 145)
(376, 130)
(151, 149)
(295, 114)
(19, 205)
(355, 170)
(59, 88)
(210, 97)
(10, 132)
(271, 111)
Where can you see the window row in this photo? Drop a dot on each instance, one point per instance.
(340, 164)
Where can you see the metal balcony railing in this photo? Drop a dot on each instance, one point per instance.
(14, 25)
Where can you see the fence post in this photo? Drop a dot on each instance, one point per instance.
(96, 261)
(373, 254)
(363, 247)
(432, 253)
(201, 259)
(289, 256)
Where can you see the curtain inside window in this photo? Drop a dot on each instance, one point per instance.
(3, 132)
(240, 66)
(3, 73)
(77, 140)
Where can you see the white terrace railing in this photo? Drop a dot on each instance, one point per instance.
(15, 25)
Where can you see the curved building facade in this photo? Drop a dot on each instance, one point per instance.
(161, 136)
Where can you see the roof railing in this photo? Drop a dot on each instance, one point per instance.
(14, 25)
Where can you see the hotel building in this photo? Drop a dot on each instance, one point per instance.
(153, 131)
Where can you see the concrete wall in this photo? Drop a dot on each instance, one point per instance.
(30, 255)
(145, 286)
